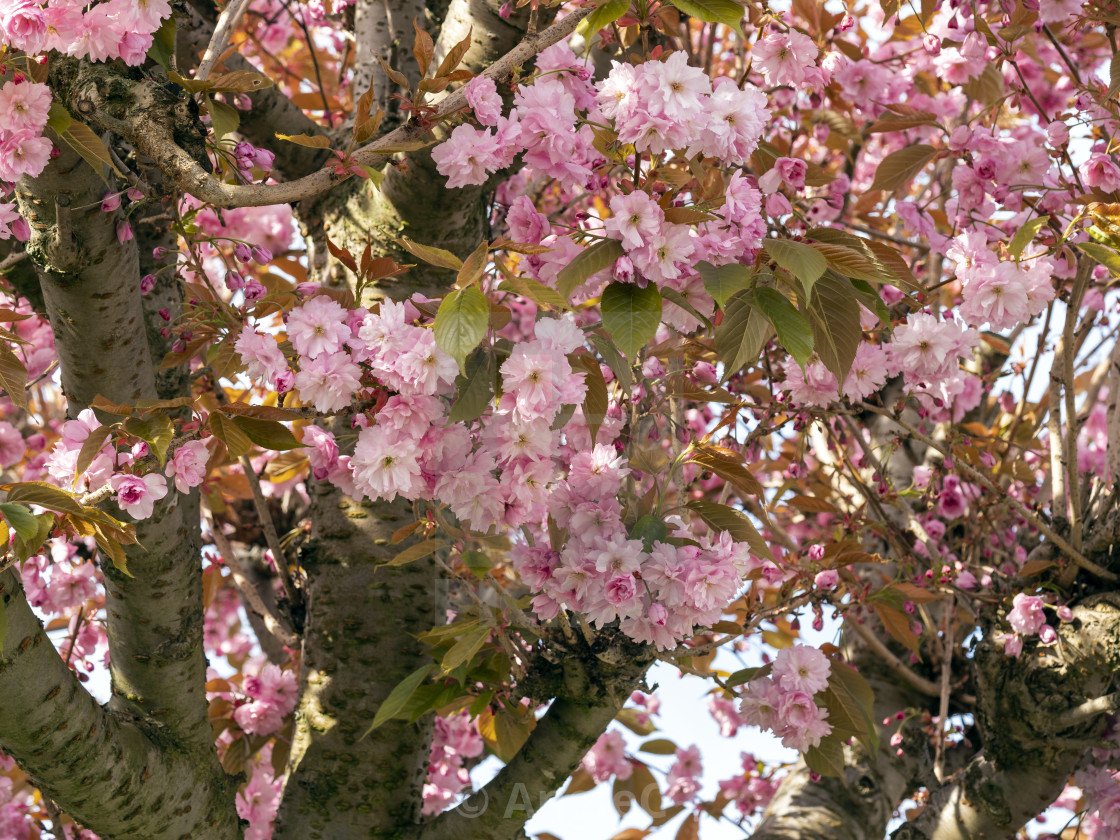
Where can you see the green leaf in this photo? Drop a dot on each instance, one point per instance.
(464, 649)
(745, 675)
(659, 746)
(44, 495)
(802, 261)
(473, 266)
(603, 16)
(461, 323)
(21, 519)
(1026, 233)
(224, 119)
(13, 377)
(834, 318)
(533, 290)
(58, 118)
(618, 365)
(675, 297)
(899, 168)
(25, 548)
(721, 283)
(595, 401)
(851, 262)
(988, 87)
(397, 698)
(478, 562)
(415, 552)
(268, 434)
(83, 140)
(793, 330)
(156, 430)
(1102, 254)
(742, 335)
(828, 758)
(309, 141)
(849, 700)
(91, 447)
(713, 11)
(474, 391)
(429, 254)
(722, 518)
(649, 529)
(631, 315)
(163, 44)
(237, 443)
(589, 261)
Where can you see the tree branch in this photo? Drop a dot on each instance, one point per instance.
(138, 119)
(153, 614)
(100, 767)
(593, 692)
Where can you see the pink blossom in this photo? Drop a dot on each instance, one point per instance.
(137, 495)
(25, 153)
(23, 25)
(482, 96)
(1027, 615)
(801, 668)
(25, 106)
(329, 381)
(318, 326)
(782, 57)
(188, 465)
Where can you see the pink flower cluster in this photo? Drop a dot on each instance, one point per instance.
(683, 780)
(658, 107)
(783, 701)
(1001, 294)
(24, 150)
(258, 802)
(100, 32)
(659, 595)
(271, 696)
(136, 494)
(750, 792)
(454, 739)
(607, 757)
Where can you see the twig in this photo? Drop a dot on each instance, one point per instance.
(973, 475)
(227, 22)
(12, 260)
(893, 662)
(946, 675)
(269, 528)
(97, 496)
(1090, 709)
(274, 623)
(192, 178)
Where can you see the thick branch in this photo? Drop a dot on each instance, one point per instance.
(154, 617)
(102, 768)
(272, 111)
(499, 810)
(359, 642)
(137, 119)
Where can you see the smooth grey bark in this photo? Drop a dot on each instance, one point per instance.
(122, 777)
(90, 283)
(591, 684)
(383, 29)
(359, 642)
(271, 110)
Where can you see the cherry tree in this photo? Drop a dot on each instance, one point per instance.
(389, 386)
